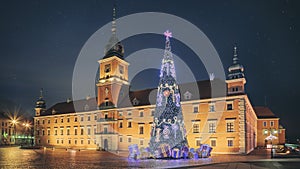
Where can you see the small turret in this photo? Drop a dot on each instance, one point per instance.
(40, 104)
(236, 79)
(114, 46)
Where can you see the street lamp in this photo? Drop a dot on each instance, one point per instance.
(14, 123)
(26, 127)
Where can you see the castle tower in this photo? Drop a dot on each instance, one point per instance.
(113, 71)
(168, 131)
(40, 105)
(236, 79)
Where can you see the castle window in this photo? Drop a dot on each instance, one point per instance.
(89, 131)
(68, 131)
(75, 119)
(68, 119)
(152, 112)
(62, 120)
(43, 132)
(229, 106)
(265, 124)
(141, 142)
(141, 114)
(75, 141)
(198, 142)
(105, 130)
(75, 131)
(120, 113)
(230, 126)
(81, 118)
(187, 95)
(48, 132)
(95, 117)
(129, 124)
(271, 123)
(213, 142)
(69, 140)
(141, 129)
(212, 107)
(107, 68)
(43, 121)
(121, 69)
(61, 131)
(212, 126)
(86, 107)
(121, 139)
(135, 101)
(49, 121)
(129, 113)
(55, 132)
(196, 128)
(230, 142)
(196, 108)
(89, 118)
(121, 124)
(105, 115)
(129, 139)
(81, 130)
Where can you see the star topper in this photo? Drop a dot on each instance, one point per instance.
(168, 34)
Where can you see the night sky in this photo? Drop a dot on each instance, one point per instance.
(41, 40)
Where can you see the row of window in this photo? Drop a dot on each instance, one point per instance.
(129, 140)
(213, 142)
(141, 113)
(4, 124)
(70, 141)
(212, 127)
(212, 108)
(67, 120)
(88, 131)
(265, 123)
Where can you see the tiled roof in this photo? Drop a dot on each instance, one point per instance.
(264, 112)
(200, 89)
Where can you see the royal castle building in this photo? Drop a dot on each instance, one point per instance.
(118, 117)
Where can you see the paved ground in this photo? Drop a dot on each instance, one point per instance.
(13, 157)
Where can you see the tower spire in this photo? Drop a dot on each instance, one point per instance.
(114, 46)
(235, 58)
(41, 93)
(114, 25)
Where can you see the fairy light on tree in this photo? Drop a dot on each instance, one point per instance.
(168, 132)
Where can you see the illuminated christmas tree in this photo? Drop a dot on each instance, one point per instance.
(168, 132)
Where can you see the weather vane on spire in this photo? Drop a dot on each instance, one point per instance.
(168, 34)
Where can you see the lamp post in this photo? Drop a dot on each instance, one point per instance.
(26, 127)
(14, 123)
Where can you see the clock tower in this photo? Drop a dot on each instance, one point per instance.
(113, 71)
